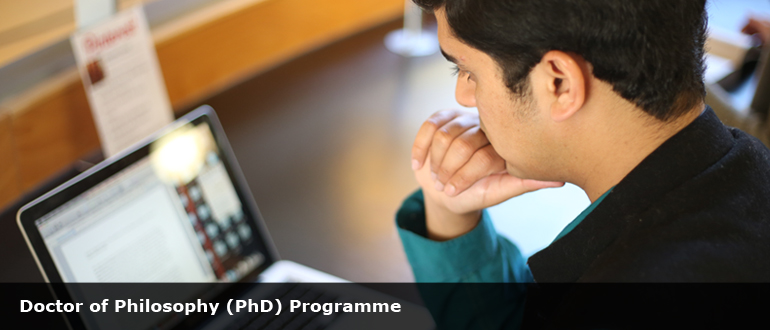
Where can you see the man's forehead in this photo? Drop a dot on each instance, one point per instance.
(444, 31)
(446, 39)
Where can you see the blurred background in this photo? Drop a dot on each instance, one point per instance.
(320, 114)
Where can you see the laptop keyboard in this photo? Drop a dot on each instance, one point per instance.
(287, 320)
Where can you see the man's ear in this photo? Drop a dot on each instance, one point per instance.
(566, 83)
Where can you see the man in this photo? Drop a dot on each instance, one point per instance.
(604, 94)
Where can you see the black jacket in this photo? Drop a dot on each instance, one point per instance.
(696, 209)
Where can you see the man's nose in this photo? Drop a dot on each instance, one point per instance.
(465, 92)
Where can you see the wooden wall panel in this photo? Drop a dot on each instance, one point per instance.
(52, 134)
(213, 56)
(9, 170)
(29, 25)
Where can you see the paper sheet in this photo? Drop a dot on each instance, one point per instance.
(122, 79)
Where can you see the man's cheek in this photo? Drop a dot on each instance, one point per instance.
(491, 135)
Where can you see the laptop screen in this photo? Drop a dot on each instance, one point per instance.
(171, 216)
(173, 209)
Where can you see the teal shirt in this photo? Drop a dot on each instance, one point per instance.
(480, 255)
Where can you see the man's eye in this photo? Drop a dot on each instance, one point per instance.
(456, 71)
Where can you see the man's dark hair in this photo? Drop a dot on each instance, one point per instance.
(649, 51)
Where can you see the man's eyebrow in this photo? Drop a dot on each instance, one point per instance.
(447, 56)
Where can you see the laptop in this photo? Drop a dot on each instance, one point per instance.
(174, 208)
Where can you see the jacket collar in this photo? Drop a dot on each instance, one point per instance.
(686, 154)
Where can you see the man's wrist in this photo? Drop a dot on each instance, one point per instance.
(443, 224)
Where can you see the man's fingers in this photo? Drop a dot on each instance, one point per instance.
(460, 152)
(533, 185)
(425, 135)
(485, 161)
(501, 187)
(445, 135)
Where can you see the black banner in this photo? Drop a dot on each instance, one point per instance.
(381, 305)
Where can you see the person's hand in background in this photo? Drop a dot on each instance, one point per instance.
(758, 27)
(460, 173)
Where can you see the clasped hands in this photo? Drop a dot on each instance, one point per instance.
(460, 173)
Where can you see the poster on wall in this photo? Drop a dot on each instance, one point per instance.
(123, 82)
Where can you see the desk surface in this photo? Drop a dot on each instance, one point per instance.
(325, 143)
